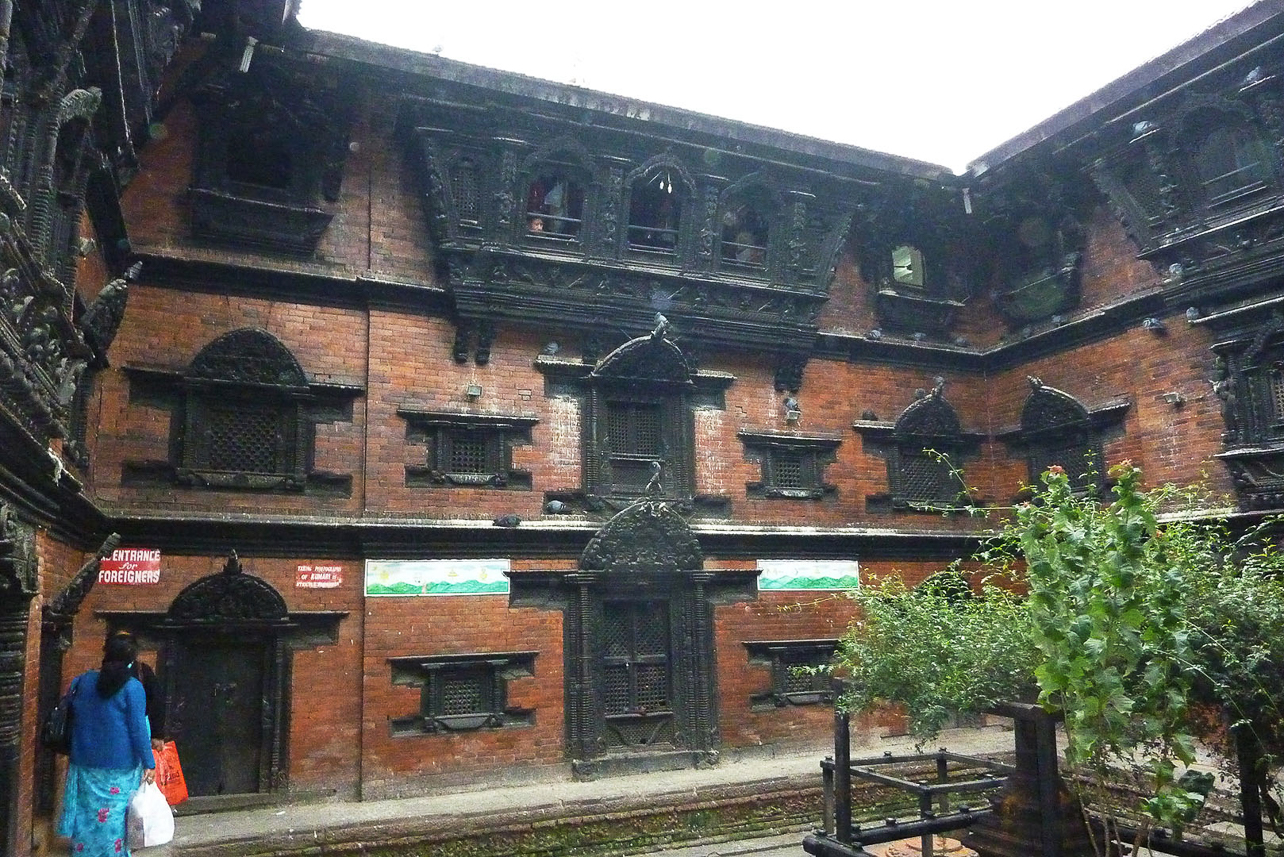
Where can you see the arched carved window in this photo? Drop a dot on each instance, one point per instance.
(923, 460)
(555, 203)
(638, 414)
(1057, 430)
(244, 412)
(655, 211)
(746, 228)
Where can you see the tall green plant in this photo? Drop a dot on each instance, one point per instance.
(1143, 614)
(1108, 613)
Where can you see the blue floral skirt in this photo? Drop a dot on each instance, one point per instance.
(94, 804)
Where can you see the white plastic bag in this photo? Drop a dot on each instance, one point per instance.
(150, 820)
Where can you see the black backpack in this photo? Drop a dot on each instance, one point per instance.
(55, 734)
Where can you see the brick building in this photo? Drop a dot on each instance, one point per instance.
(486, 427)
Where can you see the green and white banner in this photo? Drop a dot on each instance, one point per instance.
(823, 574)
(437, 576)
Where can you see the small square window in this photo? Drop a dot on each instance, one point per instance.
(793, 466)
(798, 676)
(461, 693)
(466, 450)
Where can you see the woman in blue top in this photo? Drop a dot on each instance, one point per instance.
(111, 753)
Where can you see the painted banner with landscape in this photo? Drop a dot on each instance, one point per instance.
(437, 576)
(778, 574)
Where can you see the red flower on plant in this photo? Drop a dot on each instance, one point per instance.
(102, 814)
(80, 846)
(1057, 469)
(114, 790)
(119, 846)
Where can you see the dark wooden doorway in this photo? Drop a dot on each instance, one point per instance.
(216, 713)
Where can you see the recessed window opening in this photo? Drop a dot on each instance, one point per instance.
(1231, 163)
(255, 160)
(744, 235)
(554, 205)
(907, 266)
(654, 210)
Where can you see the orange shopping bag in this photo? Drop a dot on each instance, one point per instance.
(169, 774)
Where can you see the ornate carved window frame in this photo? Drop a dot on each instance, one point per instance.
(666, 171)
(441, 678)
(1249, 380)
(778, 452)
(789, 687)
(251, 367)
(308, 121)
(567, 159)
(441, 431)
(928, 427)
(1056, 427)
(756, 257)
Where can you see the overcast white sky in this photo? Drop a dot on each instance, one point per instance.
(940, 80)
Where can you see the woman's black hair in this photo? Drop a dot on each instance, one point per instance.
(119, 654)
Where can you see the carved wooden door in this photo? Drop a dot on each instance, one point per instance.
(637, 674)
(216, 716)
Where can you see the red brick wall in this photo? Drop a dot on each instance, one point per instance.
(1171, 443)
(166, 329)
(397, 627)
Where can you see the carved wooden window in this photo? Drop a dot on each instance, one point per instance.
(922, 477)
(793, 466)
(1231, 162)
(470, 450)
(634, 439)
(636, 657)
(554, 205)
(1057, 430)
(464, 191)
(245, 420)
(462, 692)
(745, 230)
(232, 433)
(1277, 393)
(794, 679)
(1263, 386)
(655, 207)
(1143, 186)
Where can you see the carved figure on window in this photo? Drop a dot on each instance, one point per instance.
(655, 487)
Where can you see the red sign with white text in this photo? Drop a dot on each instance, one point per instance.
(130, 567)
(319, 576)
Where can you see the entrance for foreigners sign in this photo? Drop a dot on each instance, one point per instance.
(130, 566)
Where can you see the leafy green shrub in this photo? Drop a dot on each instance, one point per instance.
(937, 649)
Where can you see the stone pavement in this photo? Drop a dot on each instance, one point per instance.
(319, 828)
